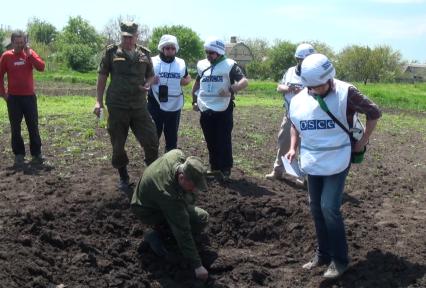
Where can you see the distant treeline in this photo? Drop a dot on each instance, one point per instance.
(78, 46)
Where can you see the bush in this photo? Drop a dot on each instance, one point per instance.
(191, 46)
(259, 70)
(79, 57)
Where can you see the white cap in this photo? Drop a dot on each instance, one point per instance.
(304, 50)
(316, 70)
(215, 45)
(167, 40)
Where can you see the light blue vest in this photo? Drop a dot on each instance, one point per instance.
(325, 147)
(170, 74)
(212, 81)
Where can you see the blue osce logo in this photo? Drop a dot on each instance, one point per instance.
(169, 75)
(212, 78)
(316, 124)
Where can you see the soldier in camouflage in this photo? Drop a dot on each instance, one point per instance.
(165, 195)
(131, 73)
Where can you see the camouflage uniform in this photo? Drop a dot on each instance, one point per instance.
(126, 102)
(159, 199)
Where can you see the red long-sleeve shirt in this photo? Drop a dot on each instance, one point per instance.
(19, 69)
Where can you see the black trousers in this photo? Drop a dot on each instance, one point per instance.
(165, 121)
(217, 129)
(19, 107)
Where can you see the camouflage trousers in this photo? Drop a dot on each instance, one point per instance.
(143, 127)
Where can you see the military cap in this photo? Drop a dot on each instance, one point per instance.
(194, 169)
(128, 28)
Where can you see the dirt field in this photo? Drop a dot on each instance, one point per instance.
(68, 226)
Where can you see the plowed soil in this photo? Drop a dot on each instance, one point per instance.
(66, 225)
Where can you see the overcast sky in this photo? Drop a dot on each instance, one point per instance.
(400, 24)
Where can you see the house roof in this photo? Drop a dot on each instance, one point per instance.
(230, 46)
(414, 65)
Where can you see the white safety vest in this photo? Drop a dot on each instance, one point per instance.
(325, 146)
(212, 81)
(170, 74)
(291, 78)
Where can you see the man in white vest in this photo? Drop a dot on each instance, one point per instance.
(218, 79)
(165, 99)
(325, 153)
(290, 85)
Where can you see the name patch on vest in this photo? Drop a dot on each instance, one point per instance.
(169, 75)
(316, 124)
(212, 78)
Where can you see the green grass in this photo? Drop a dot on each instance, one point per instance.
(397, 96)
(407, 97)
(67, 76)
(263, 93)
(73, 134)
(402, 124)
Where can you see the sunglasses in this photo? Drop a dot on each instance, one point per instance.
(170, 48)
(210, 52)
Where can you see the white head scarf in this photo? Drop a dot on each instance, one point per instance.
(167, 40)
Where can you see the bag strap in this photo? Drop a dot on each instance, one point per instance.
(324, 107)
(202, 72)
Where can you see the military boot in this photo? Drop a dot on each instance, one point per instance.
(123, 183)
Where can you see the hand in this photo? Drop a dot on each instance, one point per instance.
(27, 50)
(224, 93)
(145, 88)
(234, 88)
(359, 146)
(195, 107)
(292, 89)
(296, 90)
(201, 273)
(290, 155)
(97, 109)
(156, 79)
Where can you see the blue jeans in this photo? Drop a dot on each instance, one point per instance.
(325, 199)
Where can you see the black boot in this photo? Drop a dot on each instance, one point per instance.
(123, 183)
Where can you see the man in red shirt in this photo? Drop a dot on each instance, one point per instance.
(18, 64)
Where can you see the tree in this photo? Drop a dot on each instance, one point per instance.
(259, 69)
(363, 64)
(354, 64)
(79, 43)
(323, 48)
(41, 31)
(258, 47)
(388, 63)
(191, 46)
(281, 57)
(5, 32)
(112, 32)
(2, 38)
